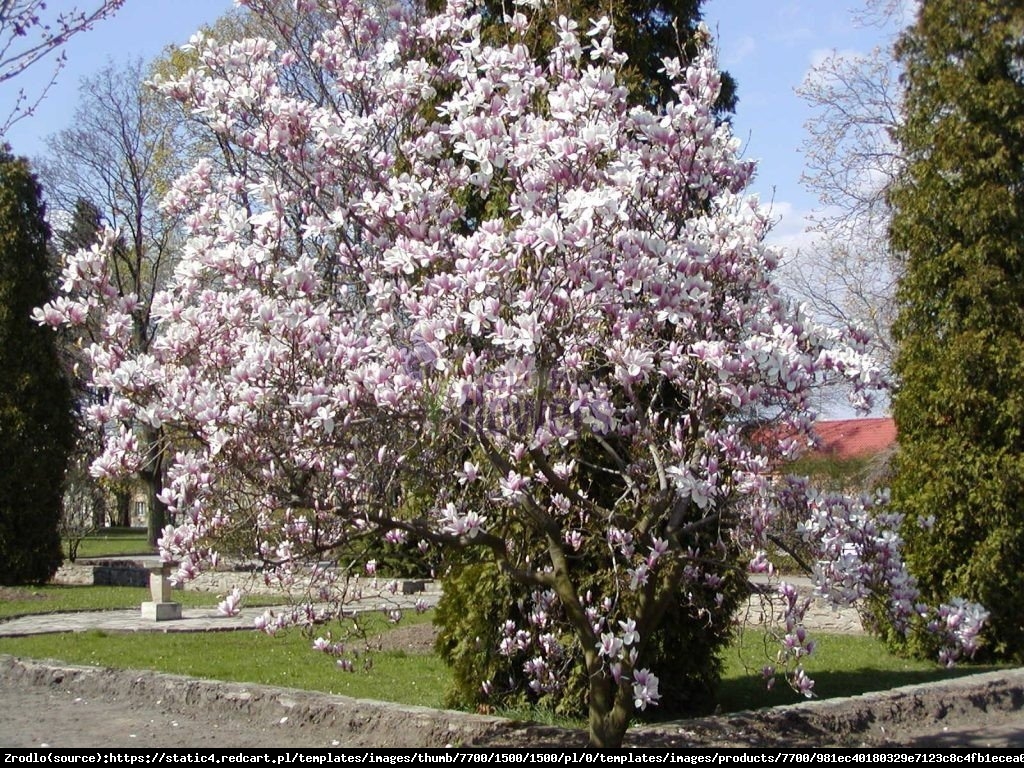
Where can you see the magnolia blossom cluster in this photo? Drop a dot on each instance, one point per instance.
(478, 299)
(861, 557)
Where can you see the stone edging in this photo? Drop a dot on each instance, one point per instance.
(358, 722)
(869, 719)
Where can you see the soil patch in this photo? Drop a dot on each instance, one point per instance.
(414, 638)
(20, 593)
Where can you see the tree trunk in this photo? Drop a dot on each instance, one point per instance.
(157, 517)
(152, 479)
(99, 508)
(608, 709)
(158, 514)
(609, 705)
(123, 500)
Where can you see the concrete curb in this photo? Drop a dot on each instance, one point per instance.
(359, 722)
(866, 720)
(877, 718)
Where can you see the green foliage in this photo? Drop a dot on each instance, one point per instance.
(830, 473)
(392, 560)
(35, 403)
(644, 30)
(958, 227)
(478, 599)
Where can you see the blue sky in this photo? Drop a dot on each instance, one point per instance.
(141, 28)
(768, 46)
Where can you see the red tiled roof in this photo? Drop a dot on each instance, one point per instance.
(850, 438)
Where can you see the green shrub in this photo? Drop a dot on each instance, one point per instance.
(975, 547)
(478, 599)
(957, 230)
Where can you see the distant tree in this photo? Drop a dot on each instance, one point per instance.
(958, 230)
(35, 401)
(84, 504)
(82, 231)
(848, 275)
(29, 32)
(112, 167)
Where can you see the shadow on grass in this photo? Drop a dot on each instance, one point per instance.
(748, 693)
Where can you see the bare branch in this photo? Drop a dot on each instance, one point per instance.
(29, 32)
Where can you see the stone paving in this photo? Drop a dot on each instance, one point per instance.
(759, 609)
(192, 619)
(1003, 723)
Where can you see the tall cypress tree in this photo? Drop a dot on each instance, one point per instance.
(36, 433)
(958, 226)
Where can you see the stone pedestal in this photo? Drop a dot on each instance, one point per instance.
(161, 607)
(161, 611)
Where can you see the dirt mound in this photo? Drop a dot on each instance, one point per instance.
(414, 638)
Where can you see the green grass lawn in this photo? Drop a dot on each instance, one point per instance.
(113, 542)
(51, 598)
(251, 657)
(842, 665)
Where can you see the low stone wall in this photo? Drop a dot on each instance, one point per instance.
(318, 717)
(128, 573)
(123, 573)
(886, 718)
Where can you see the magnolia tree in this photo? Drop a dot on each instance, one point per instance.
(345, 351)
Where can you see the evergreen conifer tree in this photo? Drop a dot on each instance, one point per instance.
(477, 597)
(36, 432)
(958, 228)
(645, 30)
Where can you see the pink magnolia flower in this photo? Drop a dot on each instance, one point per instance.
(645, 689)
(231, 604)
(610, 646)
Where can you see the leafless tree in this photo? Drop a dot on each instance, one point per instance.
(851, 161)
(121, 153)
(848, 276)
(29, 32)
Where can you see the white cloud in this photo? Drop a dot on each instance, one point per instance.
(791, 231)
(739, 51)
